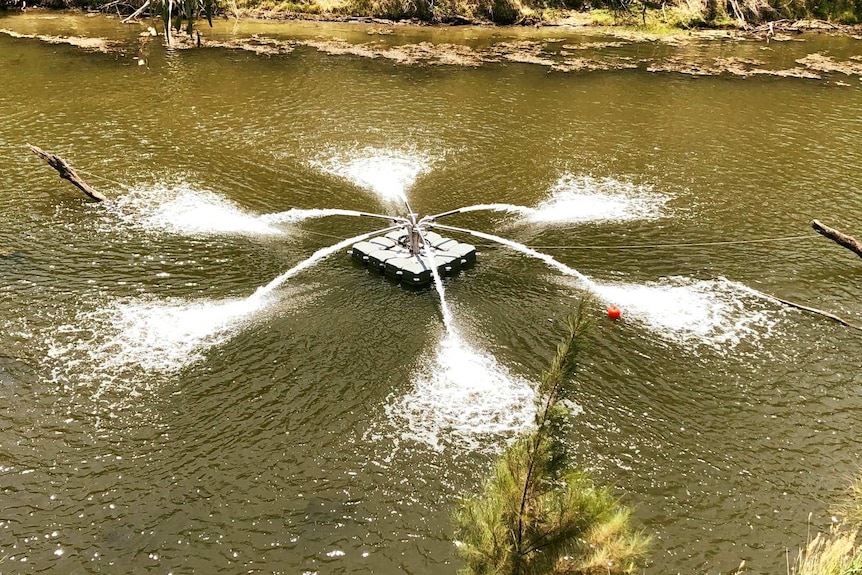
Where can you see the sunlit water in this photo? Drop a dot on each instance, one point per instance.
(384, 172)
(185, 209)
(197, 378)
(586, 199)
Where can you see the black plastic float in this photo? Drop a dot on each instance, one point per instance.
(397, 255)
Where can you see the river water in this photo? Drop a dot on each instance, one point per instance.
(159, 416)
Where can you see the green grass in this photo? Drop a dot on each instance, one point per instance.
(837, 551)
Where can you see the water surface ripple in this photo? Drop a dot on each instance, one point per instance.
(157, 416)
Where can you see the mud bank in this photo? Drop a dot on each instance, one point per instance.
(576, 50)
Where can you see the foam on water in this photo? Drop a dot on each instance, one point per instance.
(387, 173)
(183, 209)
(116, 347)
(719, 313)
(588, 199)
(463, 395)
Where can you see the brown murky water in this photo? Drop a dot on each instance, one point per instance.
(157, 416)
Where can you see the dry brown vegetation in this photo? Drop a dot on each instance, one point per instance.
(643, 13)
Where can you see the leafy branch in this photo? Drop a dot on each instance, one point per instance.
(537, 514)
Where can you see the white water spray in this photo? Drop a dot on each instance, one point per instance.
(588, 199)
(719, 313)
(316, 257)
(438, 284)
(509, 208)
(463, 396)
(583, 199)
(707, 312)
(588, 283)
(444, 306)
(119, 350)
(184, 209)
(159, 336)
(387, 173)
(295, 215)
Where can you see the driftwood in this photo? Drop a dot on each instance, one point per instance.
(848, 242)
(68, 173)
(842, 239)
(813, 310)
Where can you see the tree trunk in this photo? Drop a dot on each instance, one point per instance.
(716, 10)
(67, 173)
(137, 12)
(848, 242)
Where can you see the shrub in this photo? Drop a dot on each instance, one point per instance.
(537, 514)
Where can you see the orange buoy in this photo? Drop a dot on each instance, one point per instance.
(614, 312)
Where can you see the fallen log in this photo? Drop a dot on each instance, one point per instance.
(848, 242)
(67, 173)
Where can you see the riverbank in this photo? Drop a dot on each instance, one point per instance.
(566, 48)
(647, 16)
(597, 22)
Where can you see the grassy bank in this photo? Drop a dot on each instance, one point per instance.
(641, 13)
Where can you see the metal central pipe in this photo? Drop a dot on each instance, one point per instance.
(413, 232)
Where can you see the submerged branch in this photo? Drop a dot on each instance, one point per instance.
(68, 173)
(809, 309)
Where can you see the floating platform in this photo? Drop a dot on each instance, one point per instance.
(390, 254)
